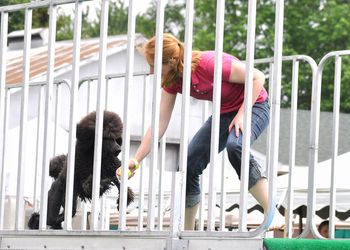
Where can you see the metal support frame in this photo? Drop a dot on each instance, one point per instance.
(175, 238)
(310, 226)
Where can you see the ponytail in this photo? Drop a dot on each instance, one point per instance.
(173, 55)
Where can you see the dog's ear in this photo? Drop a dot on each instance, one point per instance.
(56, 165)
(86, 127)
(112, 126)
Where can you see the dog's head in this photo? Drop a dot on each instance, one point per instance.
(112, 127)
(112, 133)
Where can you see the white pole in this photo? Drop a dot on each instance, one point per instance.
(3, 50)
(214, 144)
(248, 90)
(126, 127)
(99, 114)
(73, 115)
(24, 114)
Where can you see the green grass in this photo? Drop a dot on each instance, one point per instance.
(306, 244)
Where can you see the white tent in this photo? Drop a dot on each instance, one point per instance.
(322, 183)
(12, 153)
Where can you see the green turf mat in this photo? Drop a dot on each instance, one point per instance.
(306, 244)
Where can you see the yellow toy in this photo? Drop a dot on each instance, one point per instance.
(118, 172)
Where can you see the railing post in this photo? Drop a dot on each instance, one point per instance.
(155, 112)
(126, 127)
(335, 142)
(178, 215)
(3, 50)
(275, 110)
(248, 90)
(214, 156)
(23, 127)
(47, 152)
(99, 113)
(73, 114)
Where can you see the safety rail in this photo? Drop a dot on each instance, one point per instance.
(175, 236)
(11, 90)
(314, 139)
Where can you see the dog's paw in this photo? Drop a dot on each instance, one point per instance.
(33, 222)
(56, 226)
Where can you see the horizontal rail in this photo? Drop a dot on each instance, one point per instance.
(34, 84)
(112, 76)
(34, 5)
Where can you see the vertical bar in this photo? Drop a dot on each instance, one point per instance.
(57, 115)
(84, 218)
(3, 50)
(223, 192)
(335, 141)
(48, 114)
(4, 139)
(214, 156)
(73, 115)
(313, 146)
(248, 90)
(88, 102)
(155, 109)
(23, 128)
(104, 214)
(205, 115)
(269, 129)
(39, 144)
(275, 110)
(126, 130)
(292, 143)
(143, 164)
(106, 94)
(99, 113)
(161, 182)
(178, 215)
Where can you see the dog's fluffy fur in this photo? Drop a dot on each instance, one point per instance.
(83, 172)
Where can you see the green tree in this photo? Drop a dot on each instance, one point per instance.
(16, 19)
(117, 20)
(311, 28)
(40, 20)
(174, 21)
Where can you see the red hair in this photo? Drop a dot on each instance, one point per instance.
(173, 54)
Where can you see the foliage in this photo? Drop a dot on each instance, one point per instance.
(174, 20)
(314, 29)
(16, 19)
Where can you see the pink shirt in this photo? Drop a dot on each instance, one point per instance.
(232, 94)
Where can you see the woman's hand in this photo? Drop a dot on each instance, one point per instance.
(132, 168)
(237, 123)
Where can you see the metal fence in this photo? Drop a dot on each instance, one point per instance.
(151, 224)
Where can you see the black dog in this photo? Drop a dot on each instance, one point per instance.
(83, 173)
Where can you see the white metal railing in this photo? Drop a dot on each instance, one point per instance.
(10, 89)
(178, 178)
(314, 138)
(293, 119)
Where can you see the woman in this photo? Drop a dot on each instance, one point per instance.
(231, 117)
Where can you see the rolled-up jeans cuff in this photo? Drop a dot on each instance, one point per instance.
(256, 173)
(192, 199)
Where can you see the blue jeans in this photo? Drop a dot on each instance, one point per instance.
(199, 149)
